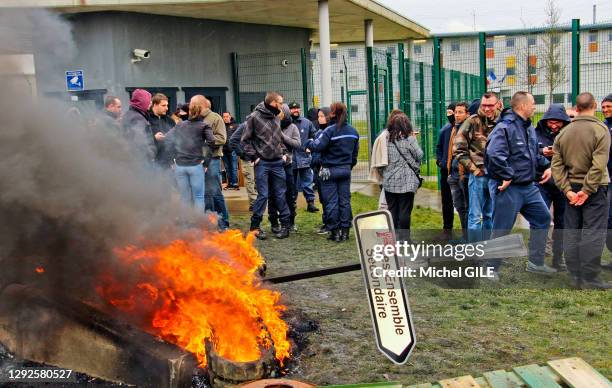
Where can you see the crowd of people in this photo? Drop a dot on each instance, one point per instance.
(279, 152)
(495, 165)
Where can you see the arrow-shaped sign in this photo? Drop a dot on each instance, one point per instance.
(387, 295)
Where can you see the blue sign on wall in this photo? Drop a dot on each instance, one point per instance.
(74, 80)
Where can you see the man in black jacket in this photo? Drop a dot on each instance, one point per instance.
(161, 124)
(230, 161)
(262, 143)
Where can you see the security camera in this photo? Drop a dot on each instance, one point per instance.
(285, 63)
(140, 54)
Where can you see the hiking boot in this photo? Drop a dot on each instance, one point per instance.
(311, 207)
(334, 235)
(595, 284)
(558, 263)
(259, 234)
(276, 228)
(283, 233)
(344, 234)
(540, 269)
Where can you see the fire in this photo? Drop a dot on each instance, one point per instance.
(203, 288)
(40, 270)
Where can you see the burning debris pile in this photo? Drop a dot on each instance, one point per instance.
(201, 289)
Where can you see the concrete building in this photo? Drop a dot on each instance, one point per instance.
(190, 44)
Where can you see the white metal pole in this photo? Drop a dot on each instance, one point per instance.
(324, 44)
(369, 33)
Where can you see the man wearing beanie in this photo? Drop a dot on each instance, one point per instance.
(606, 109)
(136, 126)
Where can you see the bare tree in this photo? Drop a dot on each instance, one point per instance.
(552, 62)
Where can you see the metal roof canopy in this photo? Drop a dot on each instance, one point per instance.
(346, 16)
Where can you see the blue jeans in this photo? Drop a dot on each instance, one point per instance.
(230, 161)
(190, 184)
(480, 212)
(272, 210)
(527, 200)
(336, 198)
(303, 182)
(214, 196)
(270, 181)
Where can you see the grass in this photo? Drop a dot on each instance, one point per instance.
(525, 319)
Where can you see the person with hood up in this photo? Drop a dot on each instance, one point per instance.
(549, 126)
(511, 160)
(339, 147)
(136, 127)
(292, 141)
(262, 144)
(448, 213)
(469, 150)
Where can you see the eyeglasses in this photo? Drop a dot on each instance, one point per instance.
(488, 105)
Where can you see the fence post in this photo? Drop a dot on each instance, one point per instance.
(370, 76)
(390, 82)
(376, 100)
(482, 49)
(236, 87)
(436, 85)
(401, 63)
(408, 89)
(575, 59)
(304, 80)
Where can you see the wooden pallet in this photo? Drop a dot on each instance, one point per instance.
(569, 372)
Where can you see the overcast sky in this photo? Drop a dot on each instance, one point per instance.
(458, 15)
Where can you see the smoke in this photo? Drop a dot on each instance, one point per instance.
(71, 190)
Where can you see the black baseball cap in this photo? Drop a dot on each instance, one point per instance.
(294, 105)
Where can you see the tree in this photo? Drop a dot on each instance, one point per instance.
(552, 62)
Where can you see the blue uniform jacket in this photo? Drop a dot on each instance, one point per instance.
(337, 146)
(301, 158)
(512, 150)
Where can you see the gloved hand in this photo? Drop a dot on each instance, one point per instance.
(325, 174)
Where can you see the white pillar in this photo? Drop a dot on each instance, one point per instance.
(324, 44)
(369, 33)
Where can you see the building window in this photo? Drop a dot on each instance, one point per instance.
(417, 48)
(490, 52)
(558, 98)
(333, 54)
(610, 36)
(539, 99)
(489, 43)
(391, 50)
(313, 56)
(509, 42)
(532, 64)
(532, 41)
(354, 108)
(593, 46)
(455, 47)
(352, 53)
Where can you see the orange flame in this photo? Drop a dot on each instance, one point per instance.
(40, 270)
(204, 288)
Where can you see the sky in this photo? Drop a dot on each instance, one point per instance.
(441, 16)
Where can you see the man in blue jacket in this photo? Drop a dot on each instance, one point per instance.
(302, 173)
(606, 109)
(511, 159)
(547, 130)
(448, 212)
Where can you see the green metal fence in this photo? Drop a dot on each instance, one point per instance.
(422, 77)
